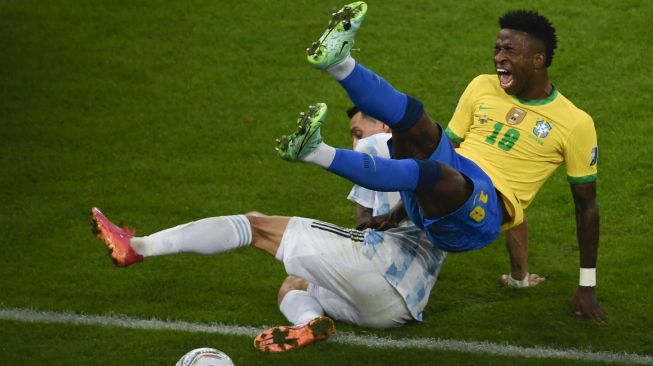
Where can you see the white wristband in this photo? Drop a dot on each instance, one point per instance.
(587, 277)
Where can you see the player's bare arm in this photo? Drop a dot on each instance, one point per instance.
(587, 232)
(517, 245)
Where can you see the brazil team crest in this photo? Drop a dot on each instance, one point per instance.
(542, 129)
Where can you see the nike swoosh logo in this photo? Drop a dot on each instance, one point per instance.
(484, 107)
(344, 44)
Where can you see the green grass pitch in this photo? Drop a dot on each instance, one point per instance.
(163, 112)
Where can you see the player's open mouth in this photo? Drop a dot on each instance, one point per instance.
(505, 78)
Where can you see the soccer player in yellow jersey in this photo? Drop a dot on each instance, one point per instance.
(514, 129)
(519, 128)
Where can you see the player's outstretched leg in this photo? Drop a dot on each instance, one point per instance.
(307, 138)
(116, 239)
(211, 235)
(369, 91)
(337, 40)
(286, 338)
(372, 172)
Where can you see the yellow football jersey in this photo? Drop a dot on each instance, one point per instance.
(519, 143)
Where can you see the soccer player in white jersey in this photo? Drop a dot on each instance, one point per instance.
(388, 275)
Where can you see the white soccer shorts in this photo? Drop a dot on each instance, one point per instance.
(348, 284)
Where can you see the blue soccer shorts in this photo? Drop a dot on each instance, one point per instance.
(476, 223)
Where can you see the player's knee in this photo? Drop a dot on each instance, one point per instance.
(291, 283)
(255, 219)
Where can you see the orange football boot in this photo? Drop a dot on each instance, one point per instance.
(286, 338)
(116, 239)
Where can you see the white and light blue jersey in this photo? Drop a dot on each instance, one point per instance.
(405, 255)
(409, 261)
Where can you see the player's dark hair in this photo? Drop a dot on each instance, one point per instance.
(352, 111)
(536, 25)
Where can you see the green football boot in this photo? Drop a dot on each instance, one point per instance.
(336, 42)
(307, 137)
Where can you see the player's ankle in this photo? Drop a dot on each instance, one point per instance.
(341, 70)
(323, 155)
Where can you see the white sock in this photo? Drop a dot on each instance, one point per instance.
(207, 236)
(322, 156)
(299, 307)
(343, 69)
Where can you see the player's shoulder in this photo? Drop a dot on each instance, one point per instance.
(574, 112)
(485, 79)
(483, 83)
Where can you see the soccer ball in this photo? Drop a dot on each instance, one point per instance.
(205, 357)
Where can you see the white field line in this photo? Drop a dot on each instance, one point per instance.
(33, 316)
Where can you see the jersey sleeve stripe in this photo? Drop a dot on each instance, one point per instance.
(455, 138)
(585, 179)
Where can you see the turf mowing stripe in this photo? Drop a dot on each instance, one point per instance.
(33, 316)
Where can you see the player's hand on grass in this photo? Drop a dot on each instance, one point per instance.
(381, 223)
(530, 280)
(586, 305)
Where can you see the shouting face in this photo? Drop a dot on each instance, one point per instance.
(517, 59)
